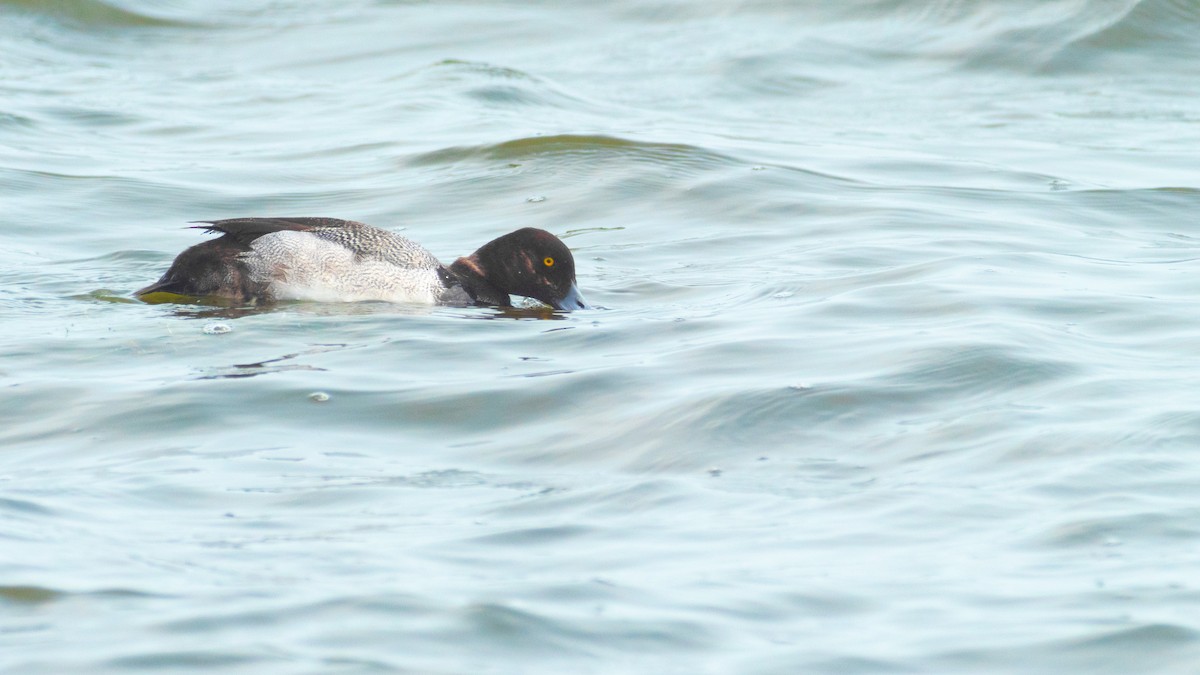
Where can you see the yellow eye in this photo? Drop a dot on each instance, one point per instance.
(548, 261)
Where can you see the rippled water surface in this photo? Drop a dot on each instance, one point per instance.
(894, 368)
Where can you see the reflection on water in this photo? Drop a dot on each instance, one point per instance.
(269, 366)
(218, 308)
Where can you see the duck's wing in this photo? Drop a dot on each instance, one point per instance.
(365, 241)
(246, 230)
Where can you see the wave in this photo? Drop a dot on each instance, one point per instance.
(1157, 29)
(571, 144)
(97, 13)
(1032, 36)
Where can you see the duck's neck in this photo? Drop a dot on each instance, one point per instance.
(469, 273)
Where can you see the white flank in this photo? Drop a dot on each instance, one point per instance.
(302, 266)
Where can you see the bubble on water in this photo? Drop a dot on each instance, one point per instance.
(217, 328)
(318, 396)
(716, 471)
(783, 294)
(800, 386)
(535, 199)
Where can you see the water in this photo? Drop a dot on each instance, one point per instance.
(895, 372)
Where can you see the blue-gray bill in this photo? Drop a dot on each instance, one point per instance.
(572, 300)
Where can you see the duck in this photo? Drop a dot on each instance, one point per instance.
(266, 260)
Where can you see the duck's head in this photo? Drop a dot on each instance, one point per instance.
(529, 262)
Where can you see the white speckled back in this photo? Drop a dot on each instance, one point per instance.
(346, 264)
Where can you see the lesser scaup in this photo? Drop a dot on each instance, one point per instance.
(261, 260)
